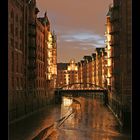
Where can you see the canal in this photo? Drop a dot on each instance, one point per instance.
(76, 118)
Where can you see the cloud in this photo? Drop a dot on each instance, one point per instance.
(79, 25)
(86, 39)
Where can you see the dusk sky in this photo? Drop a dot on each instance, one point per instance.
(78, 24)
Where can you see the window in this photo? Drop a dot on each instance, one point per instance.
(16, 31)
(21, 22)
(12, 42)
(12, 28)
(13, 82)
(17, 84)
(20, 34)
(22, 83)
(17, 18)
(12, 14)
(17, 63)
(21, 48)
(12, 55)
(21, 68)
(16, 45)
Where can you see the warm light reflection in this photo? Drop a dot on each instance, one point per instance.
(50, 40)
(49, 54)
(108, 38)
(67, 101)
(108, 74)
(72, 66)
(49, 76)
(109, 62)
(108, 54)
(49, 36)
(67, 79)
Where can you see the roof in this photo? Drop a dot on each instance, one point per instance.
(44, 20)
(88, 57)
(109, 13)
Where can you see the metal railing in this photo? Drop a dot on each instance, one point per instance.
(124, 100)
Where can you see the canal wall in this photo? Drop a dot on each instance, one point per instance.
(22, 106)
(120, 109)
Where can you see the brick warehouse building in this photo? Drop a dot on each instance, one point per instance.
(119, 44)
(28, 59)
(92, 69)
(67, 73)
(17, 56)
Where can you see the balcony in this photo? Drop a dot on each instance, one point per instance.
(32, 25)
(32, 75)
(32, 33)
(32, 55)
(32, 66)
(114, 32)
(114, 19)
(115, 57)
(114, 43)
(116, 7)
(32, 46)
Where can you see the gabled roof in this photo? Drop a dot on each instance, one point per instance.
(109, 13)
(44, 20)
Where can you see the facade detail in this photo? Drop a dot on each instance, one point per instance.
(67, 73)
(119, 52)
(32, 59)
(17, 58)
(34, 74)
(90, 70)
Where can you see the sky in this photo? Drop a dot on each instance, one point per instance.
(78, 24)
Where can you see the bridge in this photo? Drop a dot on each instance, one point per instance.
(81, 86)
(81, 89)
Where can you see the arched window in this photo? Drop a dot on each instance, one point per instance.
(12, 13)
(16, 18)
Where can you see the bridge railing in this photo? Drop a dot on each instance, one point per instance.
(82, 86)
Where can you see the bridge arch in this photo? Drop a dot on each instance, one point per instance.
(80, 85)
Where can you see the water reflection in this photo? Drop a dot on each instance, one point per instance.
(67, 101)
(77, 118)
(88, 119)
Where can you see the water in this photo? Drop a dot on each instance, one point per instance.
(77, 118)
